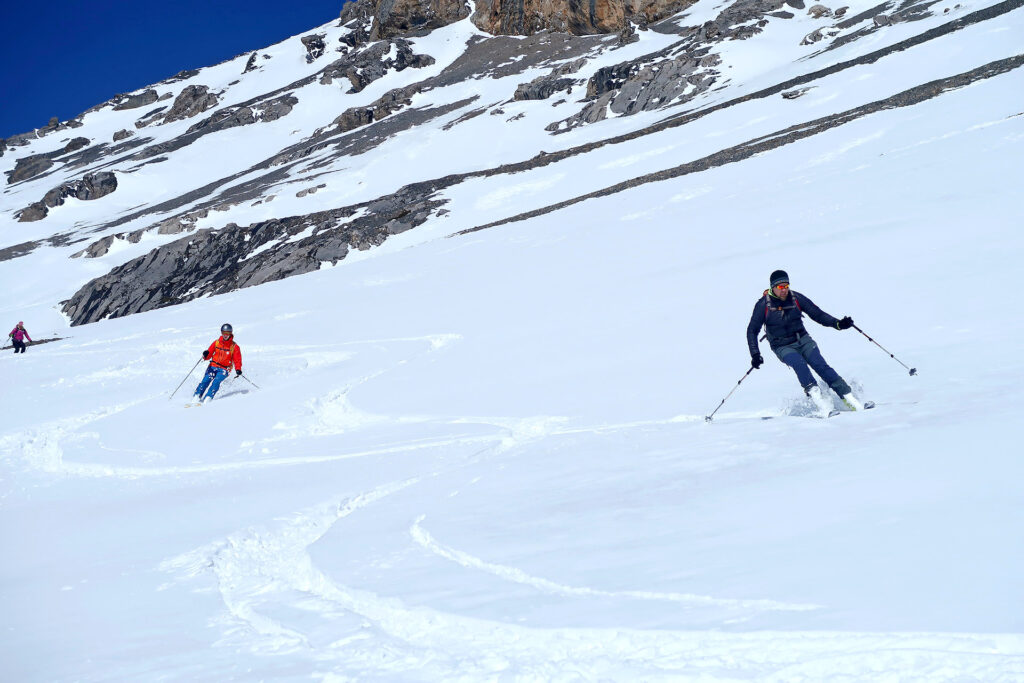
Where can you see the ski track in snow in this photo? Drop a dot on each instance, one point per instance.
(42, 447)
(257, 570)
(273, 596)
(277, 601)
(427, 541)
(332, 414)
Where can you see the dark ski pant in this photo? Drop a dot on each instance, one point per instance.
(803, 356)
(18, 345)
(213, 377)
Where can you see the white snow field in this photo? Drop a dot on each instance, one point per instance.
(484, 456)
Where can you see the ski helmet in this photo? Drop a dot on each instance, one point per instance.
(226, 328)
(779, 276)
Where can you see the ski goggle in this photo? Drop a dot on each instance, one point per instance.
(783, 285)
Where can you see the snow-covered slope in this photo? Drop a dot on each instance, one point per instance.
(483, 455)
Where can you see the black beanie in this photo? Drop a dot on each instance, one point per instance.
(779, 276)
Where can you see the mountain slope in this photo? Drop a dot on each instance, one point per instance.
(481, 453)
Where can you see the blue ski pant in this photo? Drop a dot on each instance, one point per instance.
(803, 356)
(213, 377)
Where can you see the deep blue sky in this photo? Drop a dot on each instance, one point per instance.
(61, 57)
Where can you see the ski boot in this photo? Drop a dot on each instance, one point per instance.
(821, 404)
(852, 402)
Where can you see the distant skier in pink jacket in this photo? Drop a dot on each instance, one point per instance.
(18, 335)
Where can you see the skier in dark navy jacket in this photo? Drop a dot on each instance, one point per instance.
(780, 311)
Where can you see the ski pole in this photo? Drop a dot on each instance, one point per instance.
(248, 380)
(186, 379)
(707, 418)
(913, 371)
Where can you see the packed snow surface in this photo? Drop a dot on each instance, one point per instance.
(484, 456)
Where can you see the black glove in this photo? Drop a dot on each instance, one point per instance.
(206, 354)
(238, 373)
(756, 361)
(845, 324)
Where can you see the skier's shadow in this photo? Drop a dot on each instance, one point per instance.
(233, 392)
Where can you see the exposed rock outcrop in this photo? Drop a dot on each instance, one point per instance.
(75, 144)
(54, 125)
(217, 261)
(354, 117)
(170, 226)
(251, 64)
(181, 76)
(146, 97)
(368, 65)
(371, 20)
(192, 100)
(150, 117)
(820, 34)
(545, 86)
(358, 18)
(631, 87)
(315, 46)
(527, 17)
(38, 164)
(90, 186)
(381, 19)
(30, 167)
(679, 73)
(36, 211)
(499, 56)
(230, 117)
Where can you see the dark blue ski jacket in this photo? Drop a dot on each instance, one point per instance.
(782, 319)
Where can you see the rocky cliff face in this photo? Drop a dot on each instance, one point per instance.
(506, 17)
(578, 17)
(392, 18)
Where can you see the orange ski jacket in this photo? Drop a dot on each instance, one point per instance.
(224, 354)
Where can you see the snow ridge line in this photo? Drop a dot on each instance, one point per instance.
(428, 542)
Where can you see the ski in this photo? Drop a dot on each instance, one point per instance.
(868, 405)
(813, 416)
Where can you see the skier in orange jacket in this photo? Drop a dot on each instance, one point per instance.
(223, 354)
